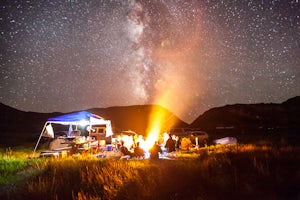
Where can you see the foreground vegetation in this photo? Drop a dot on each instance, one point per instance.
(234, 172)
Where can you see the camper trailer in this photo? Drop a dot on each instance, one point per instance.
(99, 133)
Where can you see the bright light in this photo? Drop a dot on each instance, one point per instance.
(153, 136)
(128, 141)
(166, 137)
(83, 123)
(158, 122)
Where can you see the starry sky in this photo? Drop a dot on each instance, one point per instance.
(186, 55)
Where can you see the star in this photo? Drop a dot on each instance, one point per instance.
(186, 55)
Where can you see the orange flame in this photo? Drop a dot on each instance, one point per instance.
(159, 121)
(156, 121)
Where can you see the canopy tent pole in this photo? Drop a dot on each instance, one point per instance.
(39, 139)
(90, 124)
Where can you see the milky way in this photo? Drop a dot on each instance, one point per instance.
(73, 55)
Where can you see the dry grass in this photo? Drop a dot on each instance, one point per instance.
(233, 172)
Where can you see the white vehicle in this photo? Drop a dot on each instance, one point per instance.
(226, 141)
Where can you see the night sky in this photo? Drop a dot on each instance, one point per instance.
(188, 56)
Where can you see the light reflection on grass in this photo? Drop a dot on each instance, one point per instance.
(234, 171)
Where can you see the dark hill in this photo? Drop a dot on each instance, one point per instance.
(13, 120)
(18, 126)
(251, 117)
(240, 119)
(136, 118)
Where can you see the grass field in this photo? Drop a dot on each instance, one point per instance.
(216, 172)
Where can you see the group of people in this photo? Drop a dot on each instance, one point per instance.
(137, 151)
(154, 151)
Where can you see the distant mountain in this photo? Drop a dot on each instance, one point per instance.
(20, 124)
(238, 118)
(137, 117)
(13, 120)
(251, 116)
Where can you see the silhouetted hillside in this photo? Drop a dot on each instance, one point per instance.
(238, 119)
(136, 118)
(16, 125)
(245, 117)
(13, 120)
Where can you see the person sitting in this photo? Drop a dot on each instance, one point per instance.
(170, 144)
(138, 151)
(125, 150)
(154, 151)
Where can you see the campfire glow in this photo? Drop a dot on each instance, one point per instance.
(157, 123)
(153, 136)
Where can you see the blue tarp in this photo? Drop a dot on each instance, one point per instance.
(74, 117)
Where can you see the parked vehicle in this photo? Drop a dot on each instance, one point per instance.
(192, 134)
(226, 141)
(201, 136)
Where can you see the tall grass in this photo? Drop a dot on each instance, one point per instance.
(9, 164)
(12, 163)
(236, 172)
(15, 170)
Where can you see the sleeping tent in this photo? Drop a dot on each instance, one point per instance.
(76, 118)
